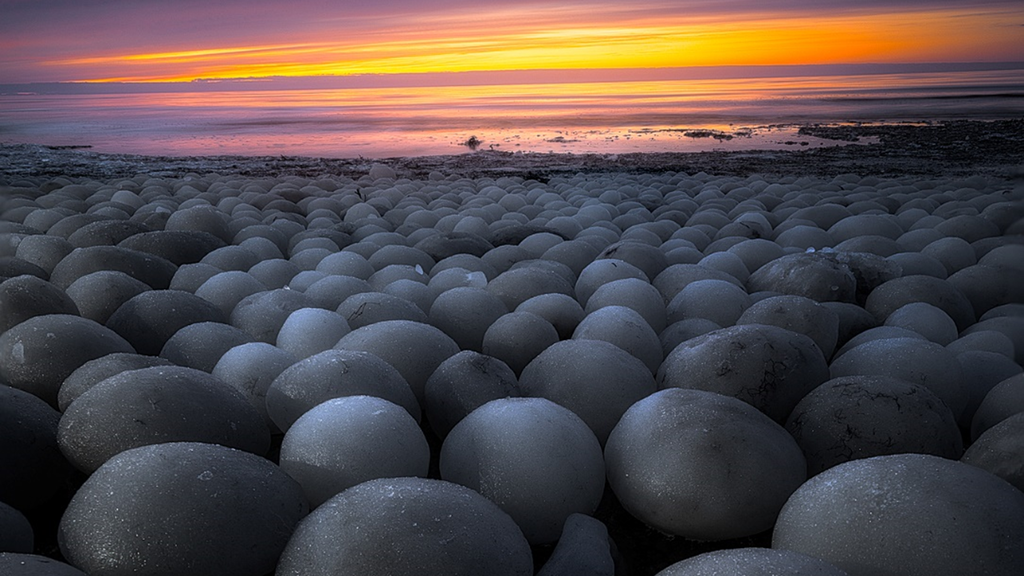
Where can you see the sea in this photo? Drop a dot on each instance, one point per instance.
(714, 109)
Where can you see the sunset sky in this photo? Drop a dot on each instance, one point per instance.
(182, 40)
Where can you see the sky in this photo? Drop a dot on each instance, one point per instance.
(185, 40)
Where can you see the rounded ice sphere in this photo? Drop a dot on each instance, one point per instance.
(535, 459)
(720, 301)
(329, 292)
(39, 353)
(14, 564)
(153, 405)
(1000, 450)
(251, 368)
(152, 270)
(576, 254)
(398, 254)
(367, 308)
(915, 263)
(968, 227)
(812, 275)
(149, 319)
(32, 469)
(182, 508)
(95, 371)
(798, 314)
(99, 294)
(1004, 400)
(602, 271)
(649, 259)
(584, 547)
(43, 250)
(560, 310)
(768, 367)
(1011, 326)
(927, 320)
(752, 562)
(518, 284)
(727, 262)
(463, 383)
(595, 379)
(756, 252)
(177, 246)
(346, 264)
(633, 293)
(906, 514)
(189, 277)
(914, 360)
(884, 225)
(681, 331)
(11, 266)
(892, 295)
(26, 296)
(309, 331)
(954, 253)
(982, 372)
(262, 314)
(413, 348)
(201, 218)
(230, 258)
(346, 441)
(701, 465)
(226, 289)
(406, 526)
(335, 374)
(625, 328)
(804, 237)
(863, 416)
(987, 287)
(201, 345)
(517, 338)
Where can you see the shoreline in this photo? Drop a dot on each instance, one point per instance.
(948, 148)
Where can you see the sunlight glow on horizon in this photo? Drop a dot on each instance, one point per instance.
(470, 41)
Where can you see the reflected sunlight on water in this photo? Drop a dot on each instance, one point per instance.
(607, 117)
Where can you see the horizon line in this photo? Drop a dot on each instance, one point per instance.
(500, 77)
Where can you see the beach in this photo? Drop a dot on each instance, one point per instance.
(498, 307)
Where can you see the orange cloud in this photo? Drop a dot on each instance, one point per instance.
(473, 41)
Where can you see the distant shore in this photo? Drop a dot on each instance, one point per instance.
(949, 148)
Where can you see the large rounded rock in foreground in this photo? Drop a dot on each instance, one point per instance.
(406, 526)
(702, 465)
(535, 459)
(32, 469)
(595, 379)
(150, 319)
(34, 565)
(335, 374)
(154, 405)
(752, 562)
(768, 367)
(182, 508)
(863, 416)
(38, 354)
(906, 515)
(347, 441)
(413, 348)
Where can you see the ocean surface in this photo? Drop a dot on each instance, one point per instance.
(680, 115)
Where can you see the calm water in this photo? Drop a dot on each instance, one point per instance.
(611, 117)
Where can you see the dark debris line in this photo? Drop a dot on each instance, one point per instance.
(953, 148)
